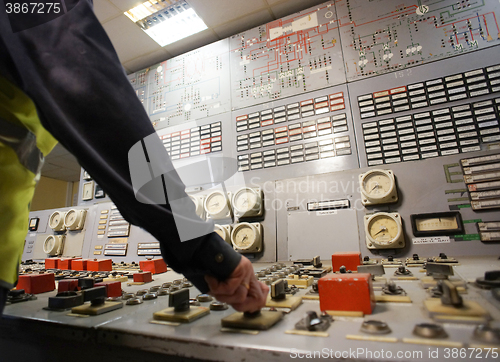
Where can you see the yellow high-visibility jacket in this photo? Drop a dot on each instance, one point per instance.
(17, 183)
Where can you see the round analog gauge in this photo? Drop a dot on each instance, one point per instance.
(246, 238)
(56, 220)
(53, 244)
(384, 230)
(247, 202)
(377, 187)
(216, 205)
(75, 219)
(198, 203)
(224, 232)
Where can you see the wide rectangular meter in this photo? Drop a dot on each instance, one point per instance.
(437, 223)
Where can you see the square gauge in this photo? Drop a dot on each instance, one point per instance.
(88, 191)
(33, 226)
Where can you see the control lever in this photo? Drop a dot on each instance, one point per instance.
(279, 299)
(65, 300)
(86, 283)
(290, 290)
(313, 322)
(19, 295)
(180, 308)
(401, 270)
(179, 300)
(96, 296)
(278, 290)
(98, 304)
(315, 286)
(450, 294)
(392, 289)
(317, 262)
(439, 271)
(375, 270)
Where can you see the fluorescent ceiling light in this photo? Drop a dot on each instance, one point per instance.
(166, 21)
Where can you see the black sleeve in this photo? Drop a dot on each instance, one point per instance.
(69, 68)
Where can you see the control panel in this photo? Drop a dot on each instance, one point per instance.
(364, 133)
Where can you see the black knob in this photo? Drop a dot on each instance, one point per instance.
(16, 293)
(251, 314)
(492, 275)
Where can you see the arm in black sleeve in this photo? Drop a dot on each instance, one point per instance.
(70, 70)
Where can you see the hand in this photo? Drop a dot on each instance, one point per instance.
(241, 290)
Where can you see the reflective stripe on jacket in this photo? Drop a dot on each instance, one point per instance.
(18, 155)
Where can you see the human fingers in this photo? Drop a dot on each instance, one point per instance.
(247, 300)
(238, 297)
(264, 289)
(256, 298)
(241, 275)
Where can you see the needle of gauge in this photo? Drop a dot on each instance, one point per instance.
(382, 228)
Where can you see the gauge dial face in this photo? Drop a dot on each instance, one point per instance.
(377, 184)
(52, 244)
(220, 231)
(74, 219)
(438, 223)
(383, 229)
(244, 237)
(216, 203)
(245, 200)
(70, 217)
(56, 221)
(88, 189)
(49, 244)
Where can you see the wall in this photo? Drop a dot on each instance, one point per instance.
(74, 193)
(49, 194)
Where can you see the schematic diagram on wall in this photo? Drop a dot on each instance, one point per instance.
(295, 54)
(139, 83)
(381, 36)
(191, 86)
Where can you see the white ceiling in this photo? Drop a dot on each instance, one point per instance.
(61, 165)
(224, 18)
(137, 50)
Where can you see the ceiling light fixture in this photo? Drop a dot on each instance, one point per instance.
(166, 21)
